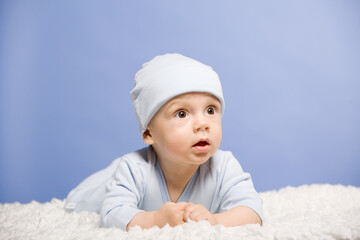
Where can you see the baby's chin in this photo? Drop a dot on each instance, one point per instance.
(202, 157)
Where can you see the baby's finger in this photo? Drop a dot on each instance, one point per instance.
(199, 216)
(176, 222)
(182, 205)
(188, 211)
(195, 215)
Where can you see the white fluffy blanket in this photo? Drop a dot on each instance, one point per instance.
(305, 212)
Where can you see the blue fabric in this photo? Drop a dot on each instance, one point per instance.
(135, 183)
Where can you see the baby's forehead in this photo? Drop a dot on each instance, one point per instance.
(192, 98)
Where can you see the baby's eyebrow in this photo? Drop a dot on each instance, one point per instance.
(173, 104)
(214, 102)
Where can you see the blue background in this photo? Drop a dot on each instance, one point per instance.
(290, 72)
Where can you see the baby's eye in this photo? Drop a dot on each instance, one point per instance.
(181, 114)
(211, 110)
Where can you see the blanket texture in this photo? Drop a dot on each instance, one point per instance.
(318, 211)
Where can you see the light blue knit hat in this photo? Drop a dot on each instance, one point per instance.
(167, 76)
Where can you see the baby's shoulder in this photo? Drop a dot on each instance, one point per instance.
(221, 158)
(139, 156)
(137, 159)
(221, 162)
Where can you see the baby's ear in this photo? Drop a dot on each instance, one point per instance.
(148, 139)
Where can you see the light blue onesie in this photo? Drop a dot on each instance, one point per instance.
(135, 183)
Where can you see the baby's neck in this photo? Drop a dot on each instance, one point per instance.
(177, 179)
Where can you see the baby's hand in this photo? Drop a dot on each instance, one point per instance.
(198, 212)
(170, 213)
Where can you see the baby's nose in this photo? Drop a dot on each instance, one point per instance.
(201, 125)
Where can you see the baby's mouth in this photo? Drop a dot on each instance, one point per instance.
(202, 146)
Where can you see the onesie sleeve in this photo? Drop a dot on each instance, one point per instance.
(123, 193)
(236, 188)
(90, 193)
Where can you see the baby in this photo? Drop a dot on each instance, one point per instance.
(182, 174)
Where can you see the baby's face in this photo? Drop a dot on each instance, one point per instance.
(187, 129)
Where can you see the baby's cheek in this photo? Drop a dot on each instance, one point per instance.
(175, 142)
(179, 137)
(217, 135)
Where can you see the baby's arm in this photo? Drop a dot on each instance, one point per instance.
(170, 213)
(236, 216)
